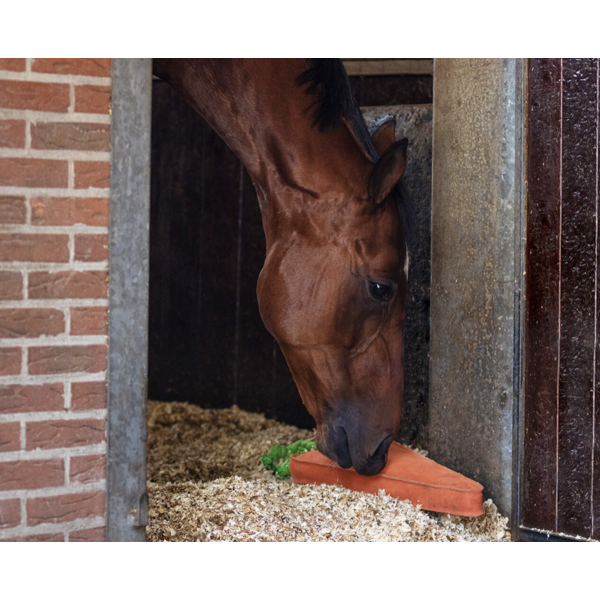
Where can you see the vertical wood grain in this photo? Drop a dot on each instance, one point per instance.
(194, 223)
(562, 300)
(542, 296)
(578, 297)
(596, 416)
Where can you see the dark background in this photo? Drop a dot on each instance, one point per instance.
(207, 343)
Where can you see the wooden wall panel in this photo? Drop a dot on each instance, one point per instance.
(391, 90)
(596, 416)
(192, 290)
(542, 283)
(560, 470)
(578, 296)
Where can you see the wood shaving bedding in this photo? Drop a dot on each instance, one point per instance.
(206, 483)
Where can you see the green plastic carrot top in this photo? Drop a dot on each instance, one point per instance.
(278, 458)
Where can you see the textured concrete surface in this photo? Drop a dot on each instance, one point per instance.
(127, 501)
(415, 123)
(475, 206)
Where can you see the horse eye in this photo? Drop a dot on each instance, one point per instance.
(380, 291)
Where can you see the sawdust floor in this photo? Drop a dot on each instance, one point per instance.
(206, 483)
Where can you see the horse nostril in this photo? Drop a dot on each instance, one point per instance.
(341, 448)
(383, 448)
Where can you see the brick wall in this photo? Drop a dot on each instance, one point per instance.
(54, 180)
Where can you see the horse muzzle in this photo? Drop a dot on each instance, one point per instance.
(348, 447)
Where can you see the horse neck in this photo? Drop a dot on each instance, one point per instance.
(266, 118)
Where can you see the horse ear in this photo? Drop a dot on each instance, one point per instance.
(384, 136)
(387, 171)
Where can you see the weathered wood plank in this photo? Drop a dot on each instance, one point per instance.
(542, 306)
(596, 416)
(195, 185)
(388, 66)
(578, 296)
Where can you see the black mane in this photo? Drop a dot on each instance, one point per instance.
(327, 79)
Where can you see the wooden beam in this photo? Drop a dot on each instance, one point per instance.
(388, 66)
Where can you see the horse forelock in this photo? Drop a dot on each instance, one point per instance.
(326, 78)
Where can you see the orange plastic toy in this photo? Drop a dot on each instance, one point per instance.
(407, 475)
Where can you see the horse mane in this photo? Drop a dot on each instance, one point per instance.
(327, 79)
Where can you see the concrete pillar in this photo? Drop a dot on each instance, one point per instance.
(126, 497)
(476, 258)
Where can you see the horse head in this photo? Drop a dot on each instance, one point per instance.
(333, 287)
(333, 293)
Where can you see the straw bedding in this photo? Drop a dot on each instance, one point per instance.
(206, 483)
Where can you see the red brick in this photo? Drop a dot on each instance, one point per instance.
(10, 513)
(50, 360)
(31, 322)
(88, 395)
(92, 248)
(31, 474)
(68, 284)
(12, 64)
(92, 174)
(96, 67)
(34, 247)
(34, 172)
(11, 285)
(87, 469)
(32, 95)
(89, 320)
(10, 361)
(69, 211)
(12, 210)
(70, 136)
(61, 509)
(12, 133)
(10, 437)
(63, 434)
(97, 534)
(92, 98)
(31, 398)
(40, 537)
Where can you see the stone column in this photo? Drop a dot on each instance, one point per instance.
(476, 272)
(127, 500)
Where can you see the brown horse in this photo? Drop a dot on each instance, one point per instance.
(333, 287)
